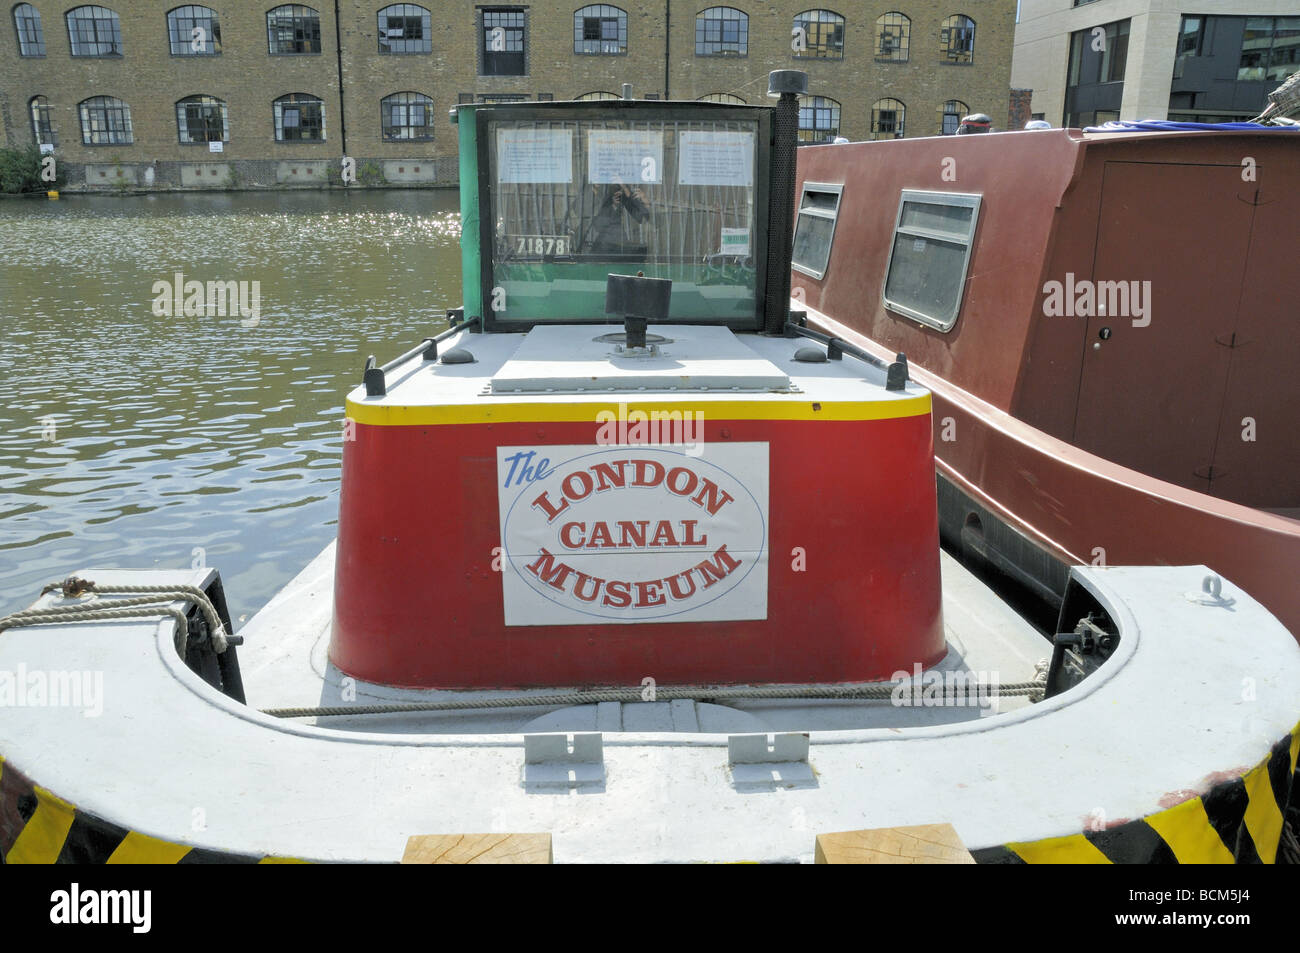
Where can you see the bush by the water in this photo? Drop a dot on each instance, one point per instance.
(20, 170)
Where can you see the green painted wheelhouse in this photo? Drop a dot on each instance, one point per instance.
(557, 196)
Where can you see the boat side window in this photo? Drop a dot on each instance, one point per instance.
(814, 229)
(931, 251)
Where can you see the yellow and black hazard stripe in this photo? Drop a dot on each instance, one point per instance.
(1236, 821)
(39, 827)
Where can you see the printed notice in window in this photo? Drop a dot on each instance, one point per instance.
(534, 155)
(716, 158)
(631, 156)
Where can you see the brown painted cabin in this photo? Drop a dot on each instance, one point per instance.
(1207, 224)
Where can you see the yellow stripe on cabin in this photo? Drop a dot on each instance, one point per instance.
(398, 415)
(45, 832)
(1186, 828)
(137, 848)
(1074, 849)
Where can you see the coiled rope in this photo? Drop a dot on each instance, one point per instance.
(139, 607)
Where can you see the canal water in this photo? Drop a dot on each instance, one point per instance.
(136, 439)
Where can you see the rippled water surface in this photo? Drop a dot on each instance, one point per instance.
(136, 441)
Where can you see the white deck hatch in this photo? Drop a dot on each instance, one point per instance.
(566, 359)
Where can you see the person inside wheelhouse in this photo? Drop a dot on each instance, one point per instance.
(614, 229)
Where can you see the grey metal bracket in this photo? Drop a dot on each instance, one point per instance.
(563, 762)
(786, 747)
(762, 763)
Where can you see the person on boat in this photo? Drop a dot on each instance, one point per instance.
(973, 124)
(616, 203)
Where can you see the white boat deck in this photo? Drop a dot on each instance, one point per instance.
(1164, 719)
(285, 665)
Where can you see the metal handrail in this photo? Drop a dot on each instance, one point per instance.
(373, 375)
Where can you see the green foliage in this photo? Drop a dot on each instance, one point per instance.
(371, 174)
(20, 170)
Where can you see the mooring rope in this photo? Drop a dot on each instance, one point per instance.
(847, 693)
(140, 607)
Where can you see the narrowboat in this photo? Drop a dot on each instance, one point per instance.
(1104, 323)
(634, 565)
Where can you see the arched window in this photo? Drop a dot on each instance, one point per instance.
(722, 98)
(819, 119)
(818, 34)
(887, 119)
(42, 123)
(893, 37)
(27, 24)
(406, 117)
(105, 121)
(194, 31)
(202, 119)
(94, 31)
(600, 29)
(293, 28)
(405, 28)
(722, 31)
(957, 39)
(598, 94)
(953, 110)
(299, 117)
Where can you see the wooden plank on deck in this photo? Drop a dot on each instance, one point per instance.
(925, 844)
(478, 849)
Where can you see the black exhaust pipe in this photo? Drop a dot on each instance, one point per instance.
(785, 85)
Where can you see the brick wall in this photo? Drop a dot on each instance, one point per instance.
(151, 80)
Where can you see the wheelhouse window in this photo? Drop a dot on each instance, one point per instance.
(818, 34)
(600, 30)
(194, 31)
(406, 117)
(299, 118)
(722, 98)
(27, 24)
(42, 123)
(293, 28)
(105, 121)
(887, 117)
(927, 266)
(957, 40)
(405, 28)
(722, 31)
(202, 119)
(571, 199)
(819, 119)
(953, 110)
(94, 31)
(893, 37)
(814, 228)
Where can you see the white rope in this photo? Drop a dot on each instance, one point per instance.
(144, 606)
(843, 692)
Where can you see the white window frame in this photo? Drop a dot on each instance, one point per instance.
(949, 200)
(834, 216)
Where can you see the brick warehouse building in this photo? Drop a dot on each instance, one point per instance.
(248, 92)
